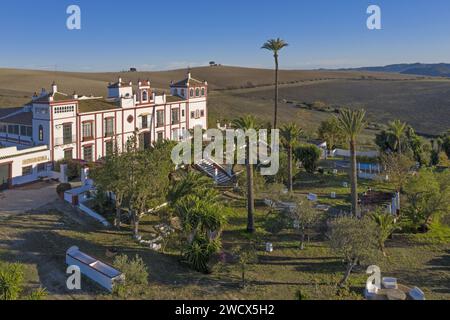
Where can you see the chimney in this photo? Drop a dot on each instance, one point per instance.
(75, 95)
(54, 87)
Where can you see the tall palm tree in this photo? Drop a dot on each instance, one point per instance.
(275, 45)
(351, 123)
(246, 123)
(290, 134)
(398, 130)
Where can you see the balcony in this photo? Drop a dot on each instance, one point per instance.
(109, 134)
(87, 138)
(61, 141)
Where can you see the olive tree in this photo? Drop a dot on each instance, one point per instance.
(304, 216)
(355, 240)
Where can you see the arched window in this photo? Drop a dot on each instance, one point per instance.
(197, 92)
(41, 133)
(144, 96)
(203, 91)
(192, 93)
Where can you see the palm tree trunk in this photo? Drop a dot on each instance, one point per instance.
(275, 118)
(250, 195)
(354, 178)
(290, 169)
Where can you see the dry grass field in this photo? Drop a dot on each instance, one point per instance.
(423, 102)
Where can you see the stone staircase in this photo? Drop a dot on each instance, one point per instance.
(214, 171)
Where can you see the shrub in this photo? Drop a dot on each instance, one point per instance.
(301, 295)
(12, 283)
(38, 294)
(73, 168)
(136, 276)
(199, 252)
(63, 187)
(309, 156)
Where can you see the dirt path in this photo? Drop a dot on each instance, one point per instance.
(27, 198)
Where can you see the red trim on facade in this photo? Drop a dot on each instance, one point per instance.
(51, 127)
(123, 129)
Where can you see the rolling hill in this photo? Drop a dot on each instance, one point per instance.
(420, 69)
(388, 95)
(17, 86)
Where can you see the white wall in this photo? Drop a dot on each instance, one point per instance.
(18, 159)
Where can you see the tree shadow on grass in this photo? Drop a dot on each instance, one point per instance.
(46, 247)
(441, 263)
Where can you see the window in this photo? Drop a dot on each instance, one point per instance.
(26, 171)
(109, 148)
(67, 133)
(3, 128)
(68, 154)
(202, 113)
(175, 92)
(192, 93)
(175, 135)
(203, 91)
(144, 122)
(182, 92)
(13, 129)
(160, 136)
(64, 109)
(192, 114)
(109, 127)
(197, 92)
(144, 96)
(41, 133)
(26, 131)
(175, 116)
(160, 118)
(182, 113)
(87, 153)
(88, 132)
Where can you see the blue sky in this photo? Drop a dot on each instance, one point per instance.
(158, 35)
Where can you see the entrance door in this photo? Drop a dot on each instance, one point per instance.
(5, 174)
(147, 140)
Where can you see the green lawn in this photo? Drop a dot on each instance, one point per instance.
(40, 239)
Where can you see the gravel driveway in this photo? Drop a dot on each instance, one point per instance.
(33, 196)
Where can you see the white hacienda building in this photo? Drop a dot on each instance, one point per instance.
(55, 126)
